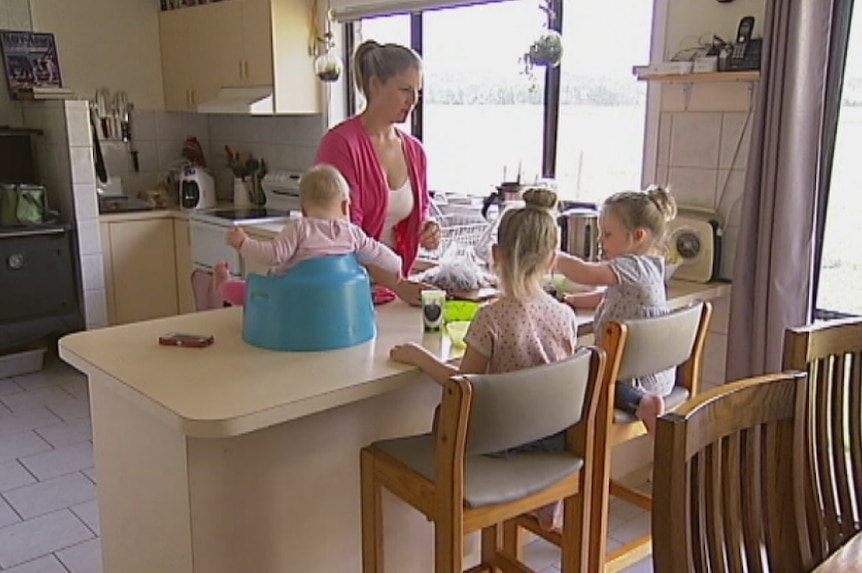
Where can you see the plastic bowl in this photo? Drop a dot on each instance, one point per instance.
(566, 286)
(460, 310)
(457, 331)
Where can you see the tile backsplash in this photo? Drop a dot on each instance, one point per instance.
(703, 152)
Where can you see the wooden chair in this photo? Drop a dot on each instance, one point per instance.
(451, 480)
(831, 353)
(635, 348)
(724, 497)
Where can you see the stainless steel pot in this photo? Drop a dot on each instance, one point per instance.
(579, 232)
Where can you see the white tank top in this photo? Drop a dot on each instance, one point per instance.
(400, 206)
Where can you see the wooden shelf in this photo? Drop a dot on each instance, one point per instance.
(746, 76)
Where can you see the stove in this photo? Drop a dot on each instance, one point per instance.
(208, 228)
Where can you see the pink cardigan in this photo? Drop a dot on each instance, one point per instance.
(348, 148)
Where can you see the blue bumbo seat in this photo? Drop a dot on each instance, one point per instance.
(321, 304)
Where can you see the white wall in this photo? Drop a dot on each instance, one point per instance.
(113, 43)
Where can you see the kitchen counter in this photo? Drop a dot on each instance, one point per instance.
(233, 458)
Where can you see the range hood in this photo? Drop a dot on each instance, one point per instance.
(241, 100)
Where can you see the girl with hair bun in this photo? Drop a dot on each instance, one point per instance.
(385, 167)
(633, 227)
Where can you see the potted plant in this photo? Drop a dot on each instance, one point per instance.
(547, 49)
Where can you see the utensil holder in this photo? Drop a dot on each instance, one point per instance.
(241, 196)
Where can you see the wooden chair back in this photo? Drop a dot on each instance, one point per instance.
(831, 353)
(724, 500)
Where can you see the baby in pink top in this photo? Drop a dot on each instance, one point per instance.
(324, 230)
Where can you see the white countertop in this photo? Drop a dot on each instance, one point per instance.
(232, 388)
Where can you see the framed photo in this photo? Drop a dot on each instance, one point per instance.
(31, 60)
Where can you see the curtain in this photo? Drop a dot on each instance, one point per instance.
(773, 270)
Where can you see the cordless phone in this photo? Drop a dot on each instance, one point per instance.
(743, 37)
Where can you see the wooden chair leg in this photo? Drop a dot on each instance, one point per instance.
(448, 545)
(491, 540)
(513, 540)
(575, 539)
(372, 516)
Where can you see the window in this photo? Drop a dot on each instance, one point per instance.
(383, 29)
(600, 135)
(841, 265)
(483, 120)
(480, 118)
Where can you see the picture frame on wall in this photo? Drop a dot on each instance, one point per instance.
(31, 61)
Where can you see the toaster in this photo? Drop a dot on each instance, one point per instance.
(694, 235)
(197, 189)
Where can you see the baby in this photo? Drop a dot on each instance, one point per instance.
(324, 230)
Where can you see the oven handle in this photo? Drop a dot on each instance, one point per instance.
(30, 233)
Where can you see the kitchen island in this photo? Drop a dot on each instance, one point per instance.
(233, 458)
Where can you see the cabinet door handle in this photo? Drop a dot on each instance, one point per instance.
(193, 96)
(245, 67)
(241, 69)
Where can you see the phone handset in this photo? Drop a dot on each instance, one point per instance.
(743, 37)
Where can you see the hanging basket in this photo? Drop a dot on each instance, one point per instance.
(547, 50)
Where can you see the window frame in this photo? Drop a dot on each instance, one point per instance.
(551, 89)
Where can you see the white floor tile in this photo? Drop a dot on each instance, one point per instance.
(631, 530)
(540, 554)
(88, 512)
(47, 564)
(73, 432)
(7, 514)
(49, 496)
(22, 445)
(77, 388)
(13, 474)
(18, 422)
(60, 461)
(8, 386)
(54, 398)
(40, 536)
(83, 558)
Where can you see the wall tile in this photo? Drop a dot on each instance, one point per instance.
(148, 155)
(83, 169)
(735, 141)
(95, 308)
(693, 186)
(728, 251)
(728, 195)
(664, 138)
(86, 202)
(720, 315)
(170, 126)
(89, 237)
(197, 125)
(92, 272)
(78, 126)
(143, 125)
(169, 152)
(695, 140)
(713, 97)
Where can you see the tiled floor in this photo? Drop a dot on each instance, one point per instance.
(49, 522)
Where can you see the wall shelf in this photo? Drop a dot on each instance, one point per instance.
(746, 76)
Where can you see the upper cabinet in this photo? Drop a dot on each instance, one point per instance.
(238, 43)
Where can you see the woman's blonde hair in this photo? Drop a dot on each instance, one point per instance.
(651, 210)
(382, 61)
(527, 240)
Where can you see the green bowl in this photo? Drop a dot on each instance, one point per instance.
(460, 310)
(457, 331)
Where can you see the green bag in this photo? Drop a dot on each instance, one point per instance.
(24, 205)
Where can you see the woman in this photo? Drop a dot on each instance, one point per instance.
(385, 167)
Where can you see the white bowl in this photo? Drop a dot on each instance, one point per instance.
(669, 270)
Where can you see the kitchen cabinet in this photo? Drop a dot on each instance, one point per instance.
(183, 250)
(140, 269)
(239, 43)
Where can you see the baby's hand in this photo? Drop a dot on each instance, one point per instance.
(235, 237)
(405, 353)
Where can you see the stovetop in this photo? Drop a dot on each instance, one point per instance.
(245, 214)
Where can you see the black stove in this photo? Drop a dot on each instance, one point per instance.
(246, 213)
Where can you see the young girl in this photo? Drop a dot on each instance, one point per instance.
(323, 230)
(633, 226)
(525, 327)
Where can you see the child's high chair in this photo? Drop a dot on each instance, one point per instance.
(634, 349)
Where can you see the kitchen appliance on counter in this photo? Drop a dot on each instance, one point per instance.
(695, 236)
(579, 232)
(208, 228)
(197, 189)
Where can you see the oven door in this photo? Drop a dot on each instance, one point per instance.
(209, 248)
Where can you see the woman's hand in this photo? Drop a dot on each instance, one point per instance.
(429, 235)
(411, 291)
(408, 353)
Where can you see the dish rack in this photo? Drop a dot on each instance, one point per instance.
(464, 229)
